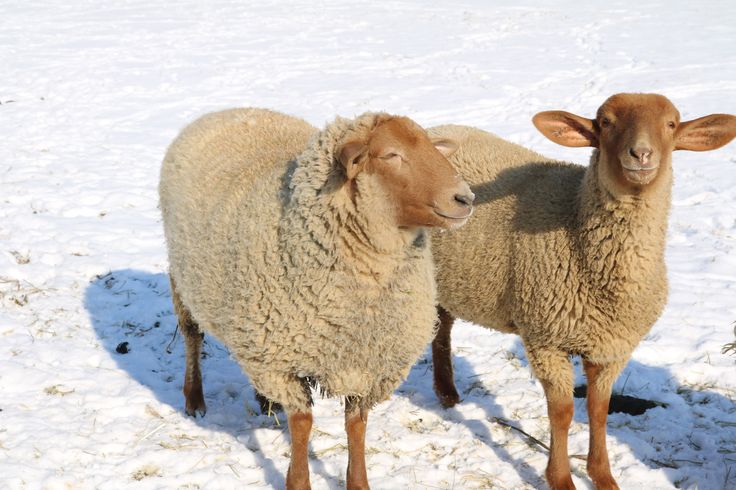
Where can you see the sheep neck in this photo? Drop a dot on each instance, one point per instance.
(620, 239)
(323, 229)
(373, 249)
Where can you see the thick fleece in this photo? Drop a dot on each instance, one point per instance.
(305, 281)
(552, 256)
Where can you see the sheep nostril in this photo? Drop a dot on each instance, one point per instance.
(464, 200)
(641, 153)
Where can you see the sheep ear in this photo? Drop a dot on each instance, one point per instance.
(352, 156)
(705, 133)
(445, 146)
(566, 129)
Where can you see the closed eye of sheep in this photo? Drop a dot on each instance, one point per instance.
(305, 253)
(570, 258)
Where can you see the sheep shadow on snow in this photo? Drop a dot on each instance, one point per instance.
(134, 307)
(418, 388)
(690, 435)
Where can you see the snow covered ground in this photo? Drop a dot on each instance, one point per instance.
(91, 93)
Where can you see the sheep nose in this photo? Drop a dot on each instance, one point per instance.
(465, 199)
(641, 153)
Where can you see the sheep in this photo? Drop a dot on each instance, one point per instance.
(305, 253)
(569, 258)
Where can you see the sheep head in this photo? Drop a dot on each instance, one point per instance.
(635, 135)
(413, 172)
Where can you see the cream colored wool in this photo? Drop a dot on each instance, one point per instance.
(552, 256)
(272, 257)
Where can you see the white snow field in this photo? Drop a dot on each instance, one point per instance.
(91, 93)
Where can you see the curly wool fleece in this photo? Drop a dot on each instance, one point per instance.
(273, 257)
(553, 256)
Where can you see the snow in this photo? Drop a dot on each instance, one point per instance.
(91, 93)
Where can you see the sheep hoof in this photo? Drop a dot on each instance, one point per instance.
(448, 400)
(447, 395)
(196, 411)
(563, 486)
(195, 408)
(560, 481)
(194, 398)
(605, 482)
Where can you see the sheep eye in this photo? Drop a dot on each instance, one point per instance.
(671, 124)
(390, 156)
(605, 122)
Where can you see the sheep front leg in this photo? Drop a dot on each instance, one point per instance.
(356, 418)
(444, 378)
(300, 425)
(193, 393)
(600, 380)
(554, 370)
(560, 411)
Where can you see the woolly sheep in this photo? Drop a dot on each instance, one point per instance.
(305, 253)
(569, 258)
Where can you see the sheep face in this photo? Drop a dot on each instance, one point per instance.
(636, 134)
(413, 173)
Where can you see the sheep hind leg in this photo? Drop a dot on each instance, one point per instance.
(356, 418)
(600, 380)
(554, 370)
(193, 393)
(444, 378)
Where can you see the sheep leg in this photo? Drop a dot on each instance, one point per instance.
(554, 370)
(444, 378)
(600, 380)
(560, 412)
(356, 418)
(300, 425)
(193, 394)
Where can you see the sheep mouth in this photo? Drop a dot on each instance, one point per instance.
(449, 216)
(639, 168)
(637, 174)
(454, 220)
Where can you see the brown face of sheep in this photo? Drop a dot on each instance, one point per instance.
(636, 134)
(413, 171)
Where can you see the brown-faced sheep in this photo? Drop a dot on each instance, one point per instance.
(569, 258)
(305, 253)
